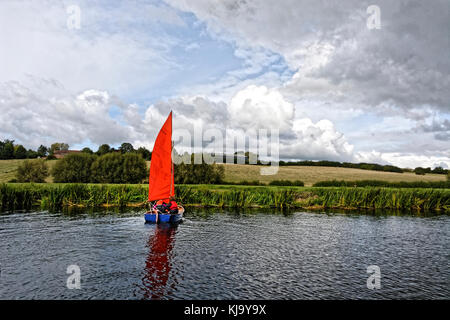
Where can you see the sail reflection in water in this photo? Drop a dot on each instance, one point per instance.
(158, 262)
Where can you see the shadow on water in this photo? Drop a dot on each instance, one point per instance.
(380, 212)
(205, 213)
(200, 212)
(75, 212)
(95, 212)
(158, 262)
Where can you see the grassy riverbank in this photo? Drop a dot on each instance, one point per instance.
(56, 196)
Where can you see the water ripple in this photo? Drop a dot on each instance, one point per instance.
(224, 255)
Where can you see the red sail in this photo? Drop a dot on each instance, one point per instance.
(161, 183)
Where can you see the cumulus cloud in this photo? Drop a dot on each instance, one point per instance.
(312, 69)
(33, 118)
(414, 160)
(261, 107)
(400, 71)
(255, 108)
(316, 141)
(117, 48)
(404, 64)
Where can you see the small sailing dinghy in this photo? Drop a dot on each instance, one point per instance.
(161, 184)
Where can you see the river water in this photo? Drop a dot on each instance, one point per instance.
(224, 255)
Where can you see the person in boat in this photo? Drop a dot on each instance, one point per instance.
(173, 206)
(163, 206)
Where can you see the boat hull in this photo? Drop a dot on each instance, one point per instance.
(150, 217)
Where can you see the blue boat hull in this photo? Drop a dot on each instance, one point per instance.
(164, 218)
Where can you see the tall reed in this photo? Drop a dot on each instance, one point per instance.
(56, 196)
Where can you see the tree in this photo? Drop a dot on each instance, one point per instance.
(42, 151)
(7, 149)
(20, 152)
(32, 171)
(134, 168)
(31, 154)
(87, 150)
(199, 173)
(145, 153)
(57, 146)
(439, 170)
(126, 148)
(119, 168)
(420, 171)
(75, 167)
(103, 149)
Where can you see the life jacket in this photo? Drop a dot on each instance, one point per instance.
(162, 206)
(160, 202)
(173, 205)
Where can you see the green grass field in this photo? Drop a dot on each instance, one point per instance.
(309, 175)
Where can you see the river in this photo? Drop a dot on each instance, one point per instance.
(224, 255)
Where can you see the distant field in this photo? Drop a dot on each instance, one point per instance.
(309, 175)
(8, 169)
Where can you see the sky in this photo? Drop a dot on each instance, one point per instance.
(338, 80)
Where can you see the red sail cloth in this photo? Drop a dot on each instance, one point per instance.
(161, 183)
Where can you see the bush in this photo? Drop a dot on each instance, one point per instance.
(249, 183)
(119, 168)
(75, 167)
(296, 183)
(134, 168)
(32, 171)
(420, 171)
(385, 184)
(103, 149)
(20, 152)
(145, 153)
(199, 173)
(87, 150)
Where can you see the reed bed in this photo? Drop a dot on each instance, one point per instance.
(56, 196)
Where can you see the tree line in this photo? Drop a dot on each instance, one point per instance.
(326, 163)
(113, 167)
(10, 150)
(364, 166)
(87, 168)
(437, 170)
(124, 148)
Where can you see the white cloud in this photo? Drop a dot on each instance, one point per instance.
(33, 118)
(117, 48)
(400, 72)
(317, 141)
(259, 107)
(404, 64)
(384, 93)
(415, 160)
